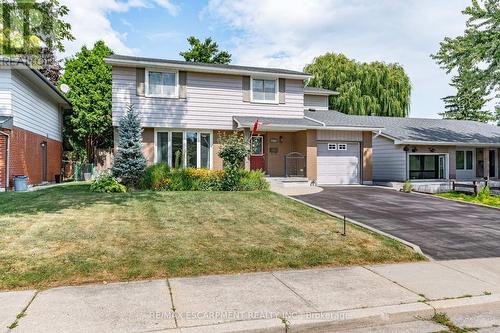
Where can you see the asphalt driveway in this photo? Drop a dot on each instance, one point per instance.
(443, 229)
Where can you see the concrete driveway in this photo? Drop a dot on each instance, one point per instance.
(443, 229)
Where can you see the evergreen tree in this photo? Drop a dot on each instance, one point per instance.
(129, 163)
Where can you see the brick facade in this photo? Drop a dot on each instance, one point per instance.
(26, 157)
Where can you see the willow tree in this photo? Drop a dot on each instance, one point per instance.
(375, 88)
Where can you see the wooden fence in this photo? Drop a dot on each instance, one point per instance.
(475, 186)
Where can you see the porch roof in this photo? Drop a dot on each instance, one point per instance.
(296, 124)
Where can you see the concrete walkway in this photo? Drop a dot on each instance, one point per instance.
(394, 298)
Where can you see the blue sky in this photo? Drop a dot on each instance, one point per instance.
(283, 33)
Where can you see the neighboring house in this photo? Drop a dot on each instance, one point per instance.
(430, 149)
(30, 126)
(185, 107)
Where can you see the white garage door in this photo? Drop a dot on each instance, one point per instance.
(338, 163)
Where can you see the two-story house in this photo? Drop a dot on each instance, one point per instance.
(185, 107)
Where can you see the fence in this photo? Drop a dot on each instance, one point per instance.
(475, 186)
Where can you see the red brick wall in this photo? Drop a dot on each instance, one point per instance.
(3, 158)
(26, 156)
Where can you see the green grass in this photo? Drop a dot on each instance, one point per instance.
(69, 235)
(492, 200)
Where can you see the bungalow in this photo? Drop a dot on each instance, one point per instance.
(30, 125)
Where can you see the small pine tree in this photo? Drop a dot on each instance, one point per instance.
(129, 164)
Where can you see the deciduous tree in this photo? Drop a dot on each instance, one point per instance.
(206, 52)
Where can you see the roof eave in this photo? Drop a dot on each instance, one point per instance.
(203, 69)
(446, 143)
(322, 93)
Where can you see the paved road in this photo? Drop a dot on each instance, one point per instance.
(443, 229)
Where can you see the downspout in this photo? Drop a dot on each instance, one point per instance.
(7, 160)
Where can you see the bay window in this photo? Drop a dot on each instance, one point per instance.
(264, 90)
(180, 149)
(161, 84)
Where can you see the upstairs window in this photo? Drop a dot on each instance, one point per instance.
(161, 84)
(264, 91)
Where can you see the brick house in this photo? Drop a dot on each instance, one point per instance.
(31, 136)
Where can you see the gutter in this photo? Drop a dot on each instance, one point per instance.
(442, 143)
(7, 160)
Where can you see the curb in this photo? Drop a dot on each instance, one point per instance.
(331, 321)
(414, 247)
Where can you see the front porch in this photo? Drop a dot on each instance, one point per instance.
(280, 154)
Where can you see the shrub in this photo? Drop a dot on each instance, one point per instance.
(484, 193)
(234, 149)
(407, 186)
(156, 177)
(252, 181)
(106, 183)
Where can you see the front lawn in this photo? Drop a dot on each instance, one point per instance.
(69, 235)
(492, 200)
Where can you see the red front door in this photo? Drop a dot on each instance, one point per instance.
(257, 161)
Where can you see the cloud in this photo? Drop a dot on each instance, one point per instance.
(291, 33)
(89, 22)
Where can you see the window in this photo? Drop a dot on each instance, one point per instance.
(161, 84)
(342, 146)
(427, 166)
(257, 145)
(184, 149)
(464, 160)
(264, 90)
(332, 146)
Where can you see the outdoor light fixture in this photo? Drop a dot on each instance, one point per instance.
(414, 150)
(281, 139)
(432, 149)
(406, 148)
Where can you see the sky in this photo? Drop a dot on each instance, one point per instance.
(283, 33)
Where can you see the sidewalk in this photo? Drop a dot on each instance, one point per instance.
(398, 298)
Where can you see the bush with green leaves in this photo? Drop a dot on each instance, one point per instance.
(252, 181)
(106, 183)
(407, 186)
(155, 177)
(233, 151)
(484, 193)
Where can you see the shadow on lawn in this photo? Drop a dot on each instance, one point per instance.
(58, 198)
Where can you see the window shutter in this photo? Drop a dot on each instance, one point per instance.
(140, 76)
(182, 84)
(282, 86)
(246, 88)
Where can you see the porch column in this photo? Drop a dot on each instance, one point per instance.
(486, 161)
(247, 134)
(367, 158)
(311, 154)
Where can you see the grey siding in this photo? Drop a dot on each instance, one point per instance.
(211, 101)
(34, 112)
(319, 103)
(5, 93)
(389, 160)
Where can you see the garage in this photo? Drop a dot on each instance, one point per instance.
(338, 163)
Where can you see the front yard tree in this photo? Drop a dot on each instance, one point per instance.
(129, 163)
(206, 52)
(474, 60)
(373, 89)
(88, 126)
(233, 151)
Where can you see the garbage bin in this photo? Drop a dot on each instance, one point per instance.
(21, 183)
(57, 178)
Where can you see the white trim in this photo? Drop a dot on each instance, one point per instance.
(184, 144)
(203, 69)
(446, 167)
(161, 70)
(343, 145)
(276, 94)
(315, 120)
(437, 143)
(333, 146)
